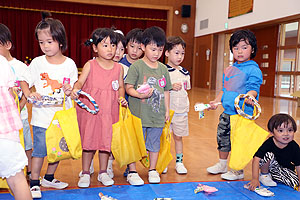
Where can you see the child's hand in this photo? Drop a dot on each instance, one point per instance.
(167, 116)
(67, 88)
(176, 86)
(34, 95)
(123, 101)
(249, 100)
(254, 183)
(147, 95)
(74, 94)
(213, 105)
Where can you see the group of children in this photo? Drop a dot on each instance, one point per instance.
(112, 78)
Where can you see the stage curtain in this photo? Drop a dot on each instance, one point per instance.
(22, 16)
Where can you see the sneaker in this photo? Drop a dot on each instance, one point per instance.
(165, 170)
(134, 179)
(84, 181)
(217, 169)
(153, 177)
(126, 172)
(110, 172)
(92, 170)
(105, 179)
(233, 175)
(266, 180)
(54, 184)
(36, 192)
(180, 168)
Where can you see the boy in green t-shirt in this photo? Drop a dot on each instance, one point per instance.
(151, 105)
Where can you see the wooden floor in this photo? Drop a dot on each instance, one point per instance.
(199, 147)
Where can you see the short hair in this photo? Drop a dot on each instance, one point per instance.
(173, 41)
(120, 38)
(244, 35)
(277, 120)
(5, 35)
(101, 33)
(57, 30)
(134, 35)
(155, 35)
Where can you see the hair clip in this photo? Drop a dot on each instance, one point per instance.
(88, 42)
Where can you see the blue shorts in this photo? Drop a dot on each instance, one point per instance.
(39, 142)
(27, 135)
(152, 138)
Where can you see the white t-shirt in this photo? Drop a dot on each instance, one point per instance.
(48, 79)
(179, 101)
(19, 69)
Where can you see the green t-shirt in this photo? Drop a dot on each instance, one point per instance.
(152, 110)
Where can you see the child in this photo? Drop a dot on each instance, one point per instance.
(47, 73)
(133, 46)
(19, 68)
(241, 78)
(179, 101)
(152, 107)
(12, 156)
(278, 156)
(134, 52)
(102, 78)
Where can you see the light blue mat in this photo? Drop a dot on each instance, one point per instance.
(177, 191)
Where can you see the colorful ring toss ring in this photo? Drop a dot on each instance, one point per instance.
(256, 110)
(82, 105)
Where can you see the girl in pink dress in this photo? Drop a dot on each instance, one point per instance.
(102, 78)
(12, 155)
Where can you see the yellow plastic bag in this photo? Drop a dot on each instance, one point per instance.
(164, 155)
(62, 136)
(246, 137)
(128, 143)
(3, 183)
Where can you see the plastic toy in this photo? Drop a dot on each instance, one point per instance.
(46, 101)
(82, 105)
(200, 107)
(261, 191)
(143, 89)
(105, 197)
(205, 188)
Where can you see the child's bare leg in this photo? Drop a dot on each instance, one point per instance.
(52, 168)
(87, 157)
(178, 144)
(153, 156)
(103, 159)
(19, 186)
(223, 155)
(132, 166)
(36, 167)
(28, 154)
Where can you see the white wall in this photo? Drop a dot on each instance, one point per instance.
(216, 11)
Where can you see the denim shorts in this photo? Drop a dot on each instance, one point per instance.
(39, 142)
(27, 135)
(152, 138)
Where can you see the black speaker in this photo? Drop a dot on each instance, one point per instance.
(185, 10)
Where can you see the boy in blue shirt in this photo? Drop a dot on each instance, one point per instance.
(244, 77)
(152, 106)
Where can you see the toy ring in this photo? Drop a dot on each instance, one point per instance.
(82, 105)
(256, 111)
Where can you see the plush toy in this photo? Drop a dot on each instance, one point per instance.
(205, 188)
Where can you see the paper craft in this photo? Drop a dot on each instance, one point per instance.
(205, 188)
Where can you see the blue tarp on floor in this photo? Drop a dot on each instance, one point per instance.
(177, 191)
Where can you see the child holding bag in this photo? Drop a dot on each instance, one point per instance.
(102, 78)
(47, 74)
(12, 155)
(244, 77)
